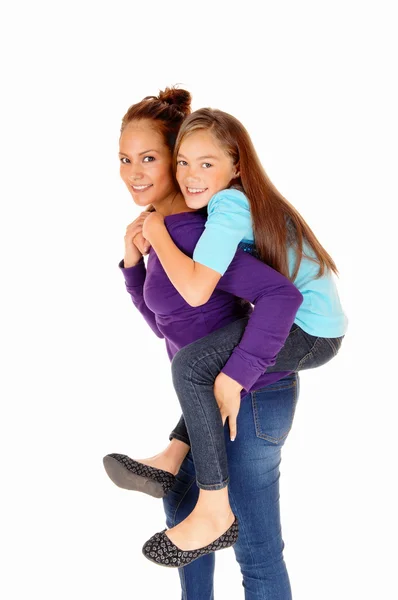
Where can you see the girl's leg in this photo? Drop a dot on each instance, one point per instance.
(196, 578)
(264, 422)
(303, 351)
(180, 432)
(194, 370)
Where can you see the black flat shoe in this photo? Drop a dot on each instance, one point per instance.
(132, 475)
(161, 550)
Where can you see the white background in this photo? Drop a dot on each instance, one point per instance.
(314, 83)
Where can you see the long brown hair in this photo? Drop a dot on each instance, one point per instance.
(276, 223)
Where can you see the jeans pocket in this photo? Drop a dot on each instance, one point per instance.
(273, 409)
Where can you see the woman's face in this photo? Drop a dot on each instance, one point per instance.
(145, 163)
(203, 168)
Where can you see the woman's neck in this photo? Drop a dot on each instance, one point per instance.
(172, 205)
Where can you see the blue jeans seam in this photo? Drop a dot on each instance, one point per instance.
(242, 529)
(183, 584)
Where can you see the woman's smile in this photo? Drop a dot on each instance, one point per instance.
(141, 188)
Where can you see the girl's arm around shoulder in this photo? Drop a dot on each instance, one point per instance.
(193, 281)
(228, 222)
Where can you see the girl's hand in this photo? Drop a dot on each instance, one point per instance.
(227, 393)
(152, 225)
(135, 243)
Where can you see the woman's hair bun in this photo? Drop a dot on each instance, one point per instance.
(181, 99)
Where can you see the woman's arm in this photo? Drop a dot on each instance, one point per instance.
(134, 278)
(134, 271)
(196, 279)
(276, 301)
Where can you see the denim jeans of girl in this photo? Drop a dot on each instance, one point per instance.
(264, 421)
(194, 370)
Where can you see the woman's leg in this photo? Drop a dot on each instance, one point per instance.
(264, 422)
(196, 578)
(303, 351)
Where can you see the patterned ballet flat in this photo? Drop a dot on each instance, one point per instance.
(161, 550)
(132, 475)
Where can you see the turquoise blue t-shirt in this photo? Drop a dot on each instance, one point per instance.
(229, 223)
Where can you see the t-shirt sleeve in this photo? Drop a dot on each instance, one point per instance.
(228, 223)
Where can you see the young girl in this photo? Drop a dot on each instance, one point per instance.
(215, 162)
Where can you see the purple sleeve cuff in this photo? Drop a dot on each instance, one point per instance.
(242, 369)
(134, 276)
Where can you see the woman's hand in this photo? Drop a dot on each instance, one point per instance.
(135, 243)
(152, 225)
(227, 393)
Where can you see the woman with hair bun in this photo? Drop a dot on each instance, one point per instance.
(148, 136)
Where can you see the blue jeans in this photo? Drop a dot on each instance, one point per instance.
(264, 421)
(194, 370)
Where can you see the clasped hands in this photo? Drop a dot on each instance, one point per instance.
(148, 223)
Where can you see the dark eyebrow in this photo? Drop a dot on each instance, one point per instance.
(199, 157)
(140, 154)
(146, 151)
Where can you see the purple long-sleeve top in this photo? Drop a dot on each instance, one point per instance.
(274, 297)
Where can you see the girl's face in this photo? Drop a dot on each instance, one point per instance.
(145, 163)
(203, 168)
